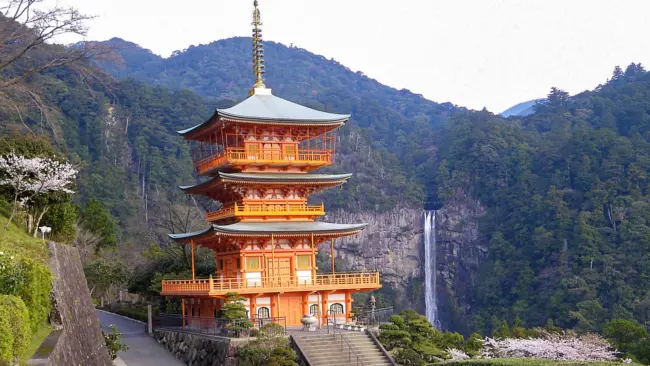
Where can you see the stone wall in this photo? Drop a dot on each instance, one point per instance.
(199, 350)
(73, 313)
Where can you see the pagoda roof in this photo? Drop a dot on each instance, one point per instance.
(269, 178)
(278, 229)
(264, 107)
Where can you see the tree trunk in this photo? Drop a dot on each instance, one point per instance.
(40, 217)
(13, 212)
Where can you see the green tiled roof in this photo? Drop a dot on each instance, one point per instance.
(269, 108)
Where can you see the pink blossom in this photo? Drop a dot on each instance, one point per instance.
(566, 346)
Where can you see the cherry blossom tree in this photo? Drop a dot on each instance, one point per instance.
(565, 346)
(30, 179)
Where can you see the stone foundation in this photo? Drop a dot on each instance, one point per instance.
(199, 350)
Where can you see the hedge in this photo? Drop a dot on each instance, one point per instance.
(31, 281)
(15, 332)
(35, 291)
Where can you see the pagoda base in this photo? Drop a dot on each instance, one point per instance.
(281, 308)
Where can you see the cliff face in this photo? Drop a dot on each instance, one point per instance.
(460, 251)
(393, 244)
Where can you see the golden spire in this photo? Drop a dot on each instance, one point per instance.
(258, 50)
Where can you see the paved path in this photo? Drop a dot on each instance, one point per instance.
(143, 350)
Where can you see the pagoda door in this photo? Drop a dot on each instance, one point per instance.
(279, 271)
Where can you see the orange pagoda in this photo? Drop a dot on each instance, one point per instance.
(257, 156)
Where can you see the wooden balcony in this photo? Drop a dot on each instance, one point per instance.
(214, 287)
(267, 210)
(237, 157)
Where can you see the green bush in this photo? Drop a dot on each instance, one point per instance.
(31, 281)
(15, 332)
(35, 291)
(6, 336)
(114, 342)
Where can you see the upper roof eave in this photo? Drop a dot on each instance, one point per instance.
(274, 110)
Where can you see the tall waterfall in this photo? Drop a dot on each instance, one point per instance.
(430, 267)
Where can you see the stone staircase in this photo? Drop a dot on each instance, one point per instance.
(329, 350)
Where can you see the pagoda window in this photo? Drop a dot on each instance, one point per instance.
(253, 263)
(263, 312)
(336, 309)
(304, 261)
(313, 309)
(253, 150)
(238, 261)
(290, 151)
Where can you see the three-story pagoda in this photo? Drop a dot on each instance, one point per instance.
(257, 156)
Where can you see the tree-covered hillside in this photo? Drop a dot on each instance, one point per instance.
(568, 198)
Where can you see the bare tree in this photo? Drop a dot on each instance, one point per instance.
(180, 218)
(25, 31)
(86, 243)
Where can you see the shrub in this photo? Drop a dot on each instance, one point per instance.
(35, 291)
(16, 332)
(31, 281)
(6, 336)
(114, 342)
(273, 351)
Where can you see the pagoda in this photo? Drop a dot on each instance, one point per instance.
(257, 157)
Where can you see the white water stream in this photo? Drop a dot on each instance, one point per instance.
(430, 266)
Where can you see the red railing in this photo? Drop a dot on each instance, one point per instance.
(273, 157)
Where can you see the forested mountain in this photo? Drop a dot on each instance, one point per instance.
(568, 198)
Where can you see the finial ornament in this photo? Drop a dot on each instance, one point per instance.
(258, 49)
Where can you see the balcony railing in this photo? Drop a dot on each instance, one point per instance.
(270, 157)
(212, 286)
(266, 210)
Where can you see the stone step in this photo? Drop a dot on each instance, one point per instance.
(326, 350)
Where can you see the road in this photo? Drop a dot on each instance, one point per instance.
(143, 350)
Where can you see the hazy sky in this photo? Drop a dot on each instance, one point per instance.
(473, 53)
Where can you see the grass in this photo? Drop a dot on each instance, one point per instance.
(37, 338)
(527, 362)
(15, 240)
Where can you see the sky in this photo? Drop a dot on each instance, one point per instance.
(473, 53)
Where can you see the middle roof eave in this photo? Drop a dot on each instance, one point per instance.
(278, 178)
(271, 228)
(286, 227)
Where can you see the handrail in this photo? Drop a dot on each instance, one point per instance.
(381, 347)
(266, 209)
(301, 353)
(264, 156)
(331, 280)
(350, 349)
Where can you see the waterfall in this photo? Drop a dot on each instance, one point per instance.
(430, 267)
